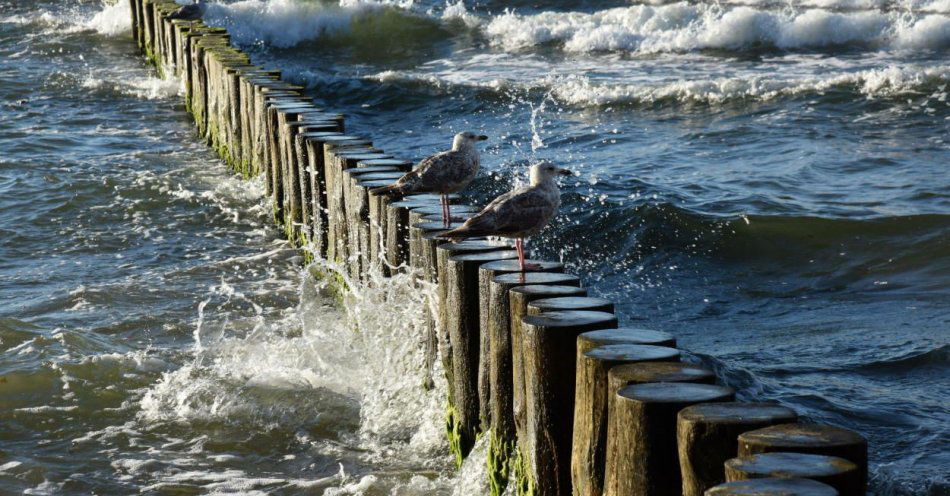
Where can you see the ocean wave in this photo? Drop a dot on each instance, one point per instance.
(583, 91)
(287, 23)
(112, 20)
(683, 27)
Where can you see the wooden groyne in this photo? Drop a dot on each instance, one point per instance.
(573, 404)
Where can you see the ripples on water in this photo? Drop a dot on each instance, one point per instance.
(767, 181)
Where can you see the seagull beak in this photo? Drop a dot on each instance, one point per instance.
(482, 138)
(565, 172)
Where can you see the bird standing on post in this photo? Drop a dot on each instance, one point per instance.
(442, 173)
(520, 213)
(190, 12)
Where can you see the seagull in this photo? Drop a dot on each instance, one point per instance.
(190, 12)
(519, 213)
(442, 173)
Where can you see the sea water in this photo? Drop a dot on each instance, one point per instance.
(767, 180)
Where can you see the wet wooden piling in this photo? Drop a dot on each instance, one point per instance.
(459, 320)
(548, 354)
(589, 451)
(642, 457)
(773, 487)
(841, 474)
(809, 438)
(708, 436)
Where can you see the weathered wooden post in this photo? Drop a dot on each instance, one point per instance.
(459, 320)
(641, 436)
(707, 436)
(809, 438)
(548, 354)
(625, 335)
(567, 303)
(309, 205)
(357, 209)
(313, 142)
(424, 237)
(397, 227)
(434, 341)
(773, 487)
(837, 472)
(333, 177)
(487, 300)
(589, 452)
(504, 314)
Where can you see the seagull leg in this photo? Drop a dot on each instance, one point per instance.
(519, 246)
(445, 210)
(448, 212)
(524, 264)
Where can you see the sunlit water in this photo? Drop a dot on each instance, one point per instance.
(766, 180)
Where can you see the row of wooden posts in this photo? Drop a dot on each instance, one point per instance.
(572, 403)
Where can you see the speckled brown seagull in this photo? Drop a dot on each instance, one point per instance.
(442, 173)
(520, 213)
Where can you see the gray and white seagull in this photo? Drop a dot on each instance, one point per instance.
(519, 213)
(443, 173)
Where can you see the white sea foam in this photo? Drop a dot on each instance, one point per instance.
(686, 27)
(113, 19)
(148, 87)
(285, 23)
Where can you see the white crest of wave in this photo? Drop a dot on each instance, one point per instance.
(113, 19)
(874, 83)
(148, 87)
(285, 23)
(686, 27)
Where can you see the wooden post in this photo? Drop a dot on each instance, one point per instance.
(625, 335)
(398, 238)
(707, 436)
(501, 322)
(423, 240)
(357, 211)
(459, 320)
(309, 203)
(808, 438)
(549, 351)
(641, 436)
(589, 452)
(314, 141)
(837, 472)
(566, 303)
(332, 177)
(486, 274)
(773, 487)
(434, 341)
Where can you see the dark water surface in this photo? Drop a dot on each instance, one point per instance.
(768, 181)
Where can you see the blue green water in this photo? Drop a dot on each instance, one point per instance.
(768, 181)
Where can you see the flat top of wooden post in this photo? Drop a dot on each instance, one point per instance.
(782, 464)
(537, 278)
(772, 487)
(431, 209)
(802, 436)
(628, 335)
(368, 170)
(396, 162)
(567, 319)
(675, 392)
(435, 225)
(638, 373)
(360, 156)
(370, 176)
(471, 246)
(483, 256)
(738, 412)
(633, 353)
(320, 136)
(514, 266)
(550, 290)
(569, 303)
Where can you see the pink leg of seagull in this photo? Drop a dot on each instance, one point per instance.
(524, 264)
